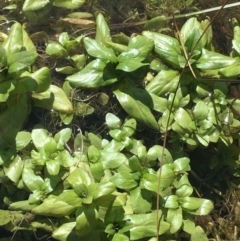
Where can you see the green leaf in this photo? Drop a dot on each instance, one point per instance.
(128, 55)
(43, 78)
(155, 152)
(79, 176)
(20, 60)
(62, 137)
(130, 65)
(112, 121)
(120, 237)
(56, 50)
(23, 138)
(144, 225)
(134, 107)
(190, 33)
(98, 190)
(79, 60)
(112, 160)
(68, 70)
(205, 206)
(129, 127)
(25, 85)
(63, 39)
(66, 159)
(102, 31)
(94, 75)
(9, 124)
(32, 181)
(167, 176)
(124, 181)
(39, 137)
(16, 39)
(65, 232)
(6, 88)
(184, 188)
(31, 5)
(53, 98)
(171, 202)
(182, 165)
(142, 44)
(3, 57)
(69, 4)
(93, 154)
(149, 182)
(114, 214)
(182, 117)
(190, 203)
(164, 82)
(175, 219)
(189, 225)
(98, 50)
(159, 103)
(212, 60)
(168, 48)
(23, 206)
(14, 170)
(49, 148)
(141, 200)
(198, 234)
(200, 111)
(236, 35)
(53, 166)
(231, 71)
(86, 220)
(54, 208)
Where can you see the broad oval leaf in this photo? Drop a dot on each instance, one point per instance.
(43, 79)
(236, 37)
(183, 118)
(23, 138)
(190, 33)
(32, 5)
(136, 109)
(64, 231)
(56, 50)
(14, 170)
(54, 98)
(168, 48)
(32, 181)
(164, 82)
(200, 111)
(39, 136)
(86, 220)
(102, 31)
(212, 60)
(54, 208)
(175, 218)
(16, 39)
(143, 44)
(69, 4)
(98, 50)
(20, 60)
(112, 121)
(62, 137)
(94, 75)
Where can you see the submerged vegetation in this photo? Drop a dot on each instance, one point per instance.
(115, 124)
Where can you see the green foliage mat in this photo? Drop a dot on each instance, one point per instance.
(61, 183)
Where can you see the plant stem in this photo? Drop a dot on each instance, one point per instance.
(205, 11)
